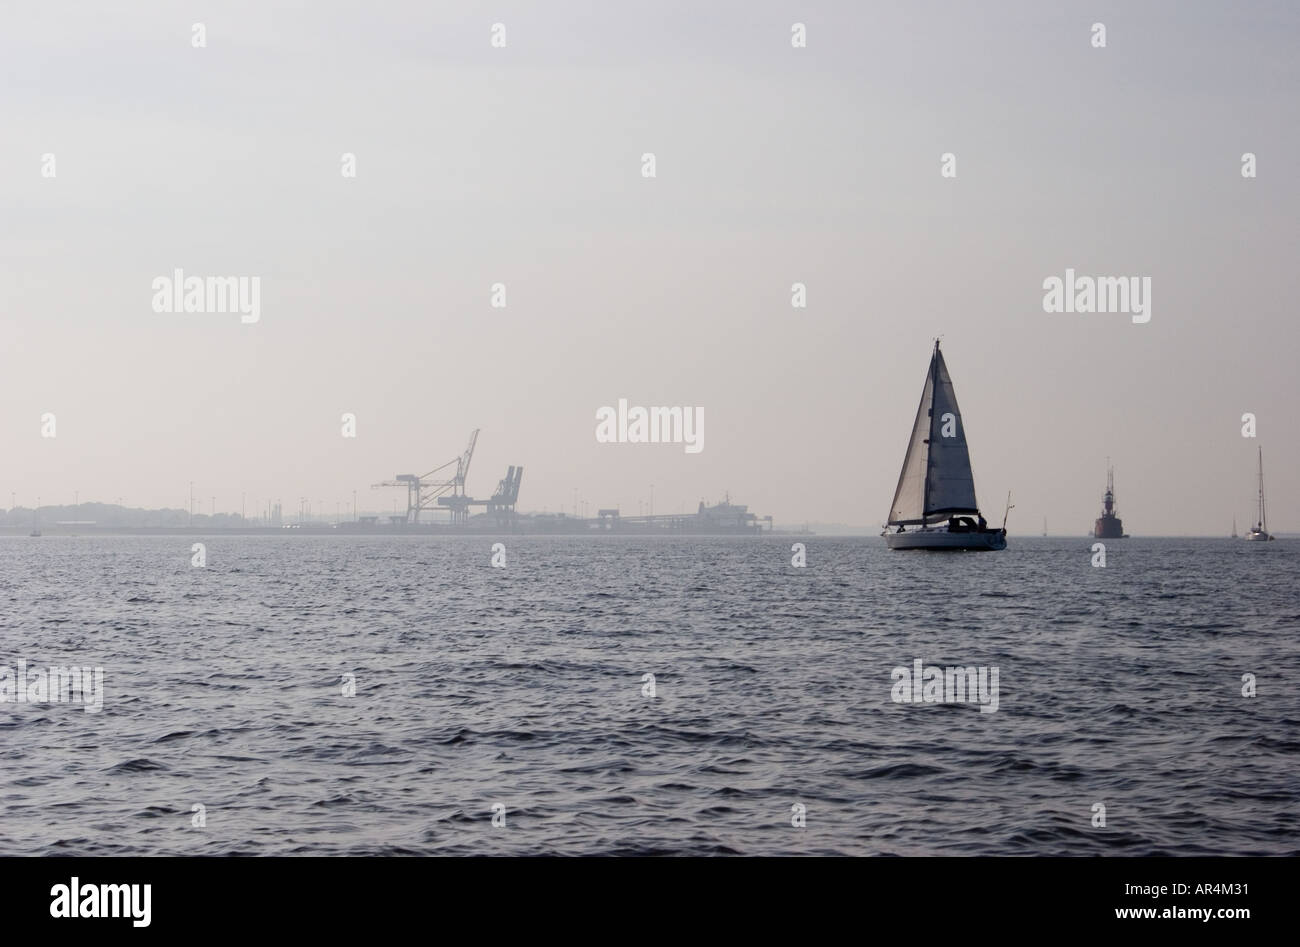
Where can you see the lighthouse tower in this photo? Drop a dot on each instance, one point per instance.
(1109, 525)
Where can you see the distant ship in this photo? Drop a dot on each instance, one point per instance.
(1109, 525)
(1259, 532)
(719, 519)
(936, 490)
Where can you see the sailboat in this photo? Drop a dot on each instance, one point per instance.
(1259, 532)
(1234, 527)
(936, 491)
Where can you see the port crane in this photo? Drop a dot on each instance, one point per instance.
(436, 489)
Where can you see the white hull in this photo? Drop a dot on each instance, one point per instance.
(942, 539)
(1257, 537)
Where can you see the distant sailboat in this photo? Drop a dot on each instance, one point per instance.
(1234, 527)
(1044, 525)
(936, 490)
(1259, 532)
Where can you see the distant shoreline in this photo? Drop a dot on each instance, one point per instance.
(444, 530)
(403, 531)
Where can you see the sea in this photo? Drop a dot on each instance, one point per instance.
(366, 695)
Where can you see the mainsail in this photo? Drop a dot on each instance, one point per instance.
(936, 480)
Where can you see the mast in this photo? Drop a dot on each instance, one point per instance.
(929, 453)
(1262, 525)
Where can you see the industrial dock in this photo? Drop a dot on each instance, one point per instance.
(443, 491)
(437, 502)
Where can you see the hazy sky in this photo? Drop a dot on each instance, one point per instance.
(775, 165)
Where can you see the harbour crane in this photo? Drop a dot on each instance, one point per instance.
(502, 504)
(435, 489)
